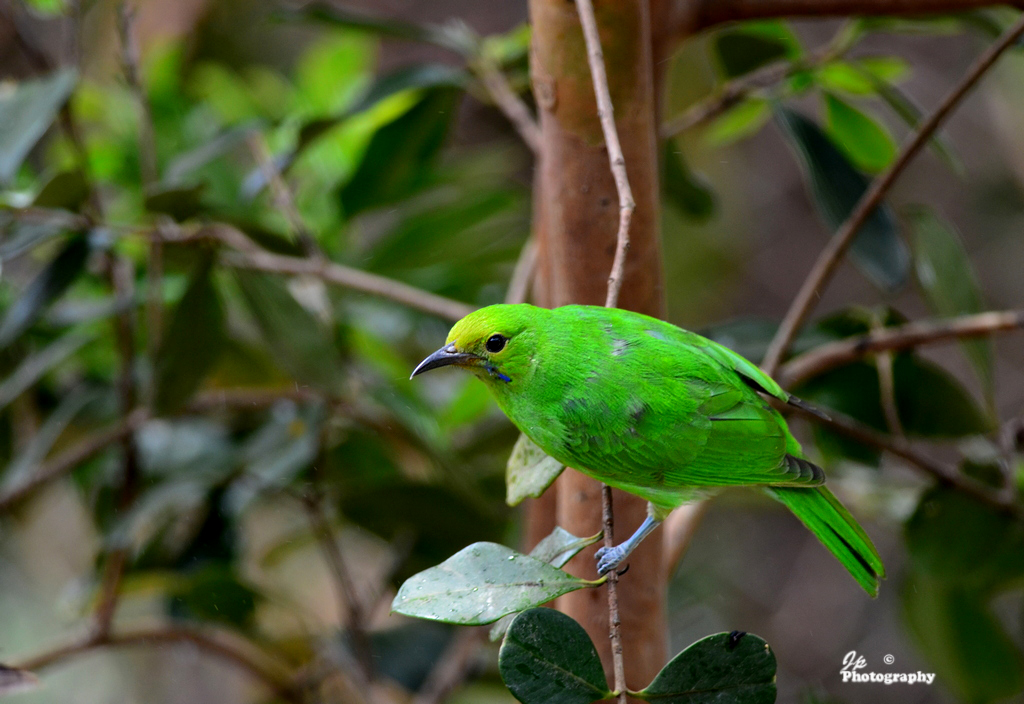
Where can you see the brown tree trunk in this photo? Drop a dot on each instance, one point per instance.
(575, 221)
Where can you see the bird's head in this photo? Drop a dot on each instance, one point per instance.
(497, 343)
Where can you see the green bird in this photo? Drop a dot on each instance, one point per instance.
(652, 409)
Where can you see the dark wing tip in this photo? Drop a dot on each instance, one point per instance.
(806, 470)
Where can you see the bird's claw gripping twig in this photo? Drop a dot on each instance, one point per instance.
(609, 559)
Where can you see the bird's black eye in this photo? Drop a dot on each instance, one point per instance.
(496, 343)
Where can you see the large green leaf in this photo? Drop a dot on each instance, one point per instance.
(557, 548)
(734, 667)
(400, 155)
(547, 658)
(45, 288)
(837, 186)
(480, 584)
(930, 403)
(67, 190)
(959, 635)
(33, 367)
(745, 47)
(192, 342)
(26, 111)
(529, 471)
(684, 188)
(959, 540)
(867, 143)
(301, 344)
(948, 281)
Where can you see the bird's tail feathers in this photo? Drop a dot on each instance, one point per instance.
(832, 524)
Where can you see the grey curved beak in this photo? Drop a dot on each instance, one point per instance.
(444, 357)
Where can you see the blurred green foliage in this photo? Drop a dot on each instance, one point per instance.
(270, 391)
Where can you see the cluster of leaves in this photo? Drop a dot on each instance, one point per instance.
(258, 389)
(545, 655)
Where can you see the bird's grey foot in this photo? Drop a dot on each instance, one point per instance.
(609, 559)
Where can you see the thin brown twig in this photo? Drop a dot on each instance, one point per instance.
(617, 162)
(614, 620)
(831, 256)
(284, 199)
(348, 600)
(835, 354)
(354, 279)
(508, 101)
(452, 667)
(735, 91)
(71, 458)
(522, 274)
(901, 448)
(606, 114)
(245, 656)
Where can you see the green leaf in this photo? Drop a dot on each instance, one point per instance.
(180, 202)
(948, 281)
(400, 155)
(36, 365)
(932, 403)
(868, 144)
(480, 584)
(888, 69)
(842, 77)
(958, 634)
(739, 122)
(739, 53)
(192, 342)
(735, 668)
(837, 186)
(557, 548)
(685, 188)
(45, 288)
(215, 594)
(961, 541)
(547, 658)
(530, 471)
(67, 190)
(907, 110)
(26, 111)
(299, 342)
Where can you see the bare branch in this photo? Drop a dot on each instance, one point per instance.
(452, 667)
(508, 101)
(71, 458)
(354, 279)
(606, 113)
(348, 601)
(522, 275)
(284, 199)
(721, 11)
(219, 644)
(899, 447)
(735, 91)
(614, 621)
(830, 257)
(925, 332)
